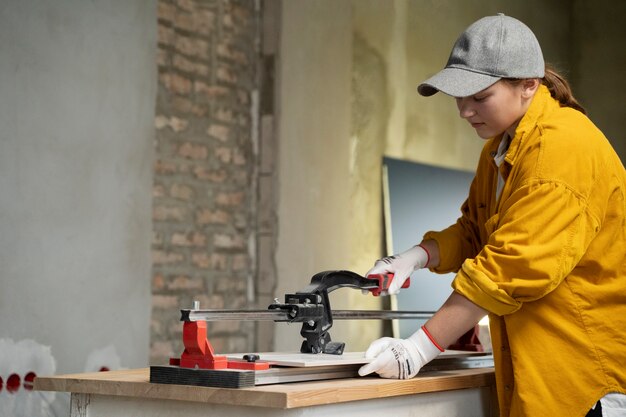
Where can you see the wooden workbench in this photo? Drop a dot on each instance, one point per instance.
(468, 392)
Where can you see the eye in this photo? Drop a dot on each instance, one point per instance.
(480, 98)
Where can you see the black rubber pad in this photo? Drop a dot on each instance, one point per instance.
(220, 378)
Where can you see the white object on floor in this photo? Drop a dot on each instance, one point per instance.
(17, 360)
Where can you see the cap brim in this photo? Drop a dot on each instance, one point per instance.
(456, 82)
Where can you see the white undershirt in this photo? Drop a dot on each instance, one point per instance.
(613, 405)
(499, 159)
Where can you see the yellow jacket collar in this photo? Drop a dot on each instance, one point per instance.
(541, 106)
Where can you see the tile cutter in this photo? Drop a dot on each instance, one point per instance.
(199, 365)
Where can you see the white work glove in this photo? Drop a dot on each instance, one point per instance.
(401, 265)
(400, 358)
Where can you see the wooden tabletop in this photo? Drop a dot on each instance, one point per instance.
(135, 383)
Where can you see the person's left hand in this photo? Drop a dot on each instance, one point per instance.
(400, 358)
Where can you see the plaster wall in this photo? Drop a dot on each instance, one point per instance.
(313, 110)
(77, 94)
(599, 55)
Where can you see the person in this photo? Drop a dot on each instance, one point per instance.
(540, 245)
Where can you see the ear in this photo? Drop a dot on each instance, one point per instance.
(529, 87)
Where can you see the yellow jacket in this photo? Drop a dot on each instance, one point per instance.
(548, 261)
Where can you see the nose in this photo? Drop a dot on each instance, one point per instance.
(465, 108)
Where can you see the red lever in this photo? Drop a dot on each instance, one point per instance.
(384, 280)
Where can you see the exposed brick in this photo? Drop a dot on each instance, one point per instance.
(160, 257)
(161, 350)
(228, 51)
(187, 5)
(231, 199)
(166, 35)
(185, 168)
(240, 177)
(158, 282)
(210, 300)
(196, 239)
(157, 238)
(186, 65)
(219, 344)
(236, 17)
(158, 190)
(184, 105)
(156, 326)
(243, 120)
(224, 241)
(210, 91)
(224, 115)
(217, 176)
(181, 192)
(225, 326)
(203, 186)
(229, 285)
(238, 302)
(205, 22)
(167, 213)
(166, 11)
(175, 83)
(240, 219)
(176, 328)
(214, 261)
(192, 47)
(219, 132)
(243, 97)
(227, 21)
(164, 167)
(208, 216)
(240, 263)
(174, 123)
(193, 151)
(200, 22)
(182, 282)
(164, 301)
(226, 74)
(163, 57)
(224, 155)
(239, 158)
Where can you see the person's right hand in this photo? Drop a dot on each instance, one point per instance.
(401, 358)
(401, 265)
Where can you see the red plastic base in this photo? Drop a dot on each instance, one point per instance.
(199, 353)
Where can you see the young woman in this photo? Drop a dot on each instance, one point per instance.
(541, 242)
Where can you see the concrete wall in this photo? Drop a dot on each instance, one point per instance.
(77, 93)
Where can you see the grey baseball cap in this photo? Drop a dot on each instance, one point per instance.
(492, 48)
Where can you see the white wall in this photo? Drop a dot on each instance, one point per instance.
(77, 94)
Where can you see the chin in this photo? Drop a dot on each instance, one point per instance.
(485, 135)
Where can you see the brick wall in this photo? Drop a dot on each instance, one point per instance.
(206, 173)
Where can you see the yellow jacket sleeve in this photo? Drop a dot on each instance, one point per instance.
(540, 234)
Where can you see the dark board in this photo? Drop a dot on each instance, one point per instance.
(420, 198)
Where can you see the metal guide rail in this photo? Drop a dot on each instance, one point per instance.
(285, 316)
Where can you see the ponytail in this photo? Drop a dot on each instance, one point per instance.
(560, 89)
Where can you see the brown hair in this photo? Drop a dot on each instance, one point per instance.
(557, 85)
(560, 89)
